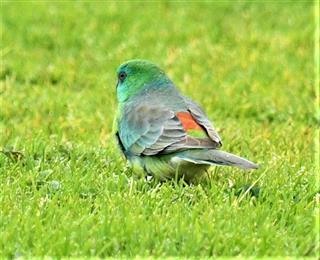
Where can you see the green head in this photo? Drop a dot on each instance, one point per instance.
(136, 75)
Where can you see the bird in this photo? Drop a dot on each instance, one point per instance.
(162, 133)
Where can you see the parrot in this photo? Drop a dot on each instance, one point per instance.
(161, 133)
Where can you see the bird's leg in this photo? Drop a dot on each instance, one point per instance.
(148, 178)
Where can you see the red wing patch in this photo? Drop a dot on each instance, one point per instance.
(188, 122)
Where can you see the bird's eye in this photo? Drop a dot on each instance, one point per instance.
(122, 76)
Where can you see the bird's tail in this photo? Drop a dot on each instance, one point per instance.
(216, 157)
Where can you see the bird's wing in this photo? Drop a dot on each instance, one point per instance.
(202, 119)
(152, 129)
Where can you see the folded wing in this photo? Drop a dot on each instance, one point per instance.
(152, 129)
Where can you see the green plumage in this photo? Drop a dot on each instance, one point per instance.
(161, 132)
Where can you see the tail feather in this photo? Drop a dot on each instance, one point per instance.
(216, 157)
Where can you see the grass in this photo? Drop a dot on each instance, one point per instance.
(64, 188)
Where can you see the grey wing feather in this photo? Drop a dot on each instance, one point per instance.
(202, 119)
(150, 129)
(154, 129)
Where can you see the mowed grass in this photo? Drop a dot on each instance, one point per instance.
(65, 189)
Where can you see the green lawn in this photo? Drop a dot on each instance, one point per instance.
(66, 191)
